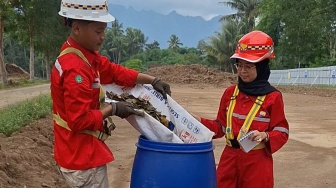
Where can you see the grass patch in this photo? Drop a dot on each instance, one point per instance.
(14, 117)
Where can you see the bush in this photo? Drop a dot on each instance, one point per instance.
(134, 64)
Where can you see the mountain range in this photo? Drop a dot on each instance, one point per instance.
(159, 27)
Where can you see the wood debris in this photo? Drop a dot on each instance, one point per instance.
(140, 104)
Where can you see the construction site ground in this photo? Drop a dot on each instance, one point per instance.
(307, 160)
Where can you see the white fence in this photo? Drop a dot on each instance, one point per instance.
(304, 76)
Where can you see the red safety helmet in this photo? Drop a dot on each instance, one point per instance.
(254, 47)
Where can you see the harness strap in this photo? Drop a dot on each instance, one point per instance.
(228, 131)
(75, 51)
(249, 118)
(59, 121)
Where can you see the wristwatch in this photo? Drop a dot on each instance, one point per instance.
(267, 137)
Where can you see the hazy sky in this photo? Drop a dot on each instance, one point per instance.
(205, 8)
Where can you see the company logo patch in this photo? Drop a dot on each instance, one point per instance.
(243, 47)
(262, 114)
(79, 79)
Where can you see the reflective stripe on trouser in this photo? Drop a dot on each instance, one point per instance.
(237, 169)
(90, 178)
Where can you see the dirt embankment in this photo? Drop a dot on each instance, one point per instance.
(193, 75)
(26, 157)
(15, 74)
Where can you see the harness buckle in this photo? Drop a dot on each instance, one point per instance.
(109, 126)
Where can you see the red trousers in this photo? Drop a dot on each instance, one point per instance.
(237, 169)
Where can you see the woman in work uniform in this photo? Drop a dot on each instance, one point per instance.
(252, 104)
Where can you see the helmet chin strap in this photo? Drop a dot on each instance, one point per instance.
(68, 22)
(264, 56)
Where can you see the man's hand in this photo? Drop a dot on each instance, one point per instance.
(162, 87)
(124, 109)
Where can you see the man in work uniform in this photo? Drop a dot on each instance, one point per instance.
(76, 79)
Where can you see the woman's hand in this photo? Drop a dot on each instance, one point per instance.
(259, 136)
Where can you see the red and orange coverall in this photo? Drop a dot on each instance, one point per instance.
(237, 169)
(75, 89)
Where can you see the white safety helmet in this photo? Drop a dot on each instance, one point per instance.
(91, 10)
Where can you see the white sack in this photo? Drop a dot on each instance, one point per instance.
(187, 129)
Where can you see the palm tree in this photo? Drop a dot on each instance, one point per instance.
(174, 42)
(114, 45)
(135, 41)
(247, 12)
(154, 45)
(221, 46)
(117, 28)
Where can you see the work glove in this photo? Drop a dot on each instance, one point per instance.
(124, 109)
(162, 87)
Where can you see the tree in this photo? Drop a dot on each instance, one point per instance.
(52, 35)
(247, 12)
(174, 43)
(135, 41)
(154, 45)
(114, 44)
(15, 53)
(4, 10)
(222, 45)
(303, 31)
(30, 16)
(3, 71)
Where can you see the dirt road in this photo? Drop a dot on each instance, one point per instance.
(307, 160)
(13, 96)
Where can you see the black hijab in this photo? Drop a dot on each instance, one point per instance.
(259, 86)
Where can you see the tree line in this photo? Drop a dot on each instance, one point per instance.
(31, 33)
(304, 32)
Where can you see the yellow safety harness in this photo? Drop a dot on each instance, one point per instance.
(59, 121)
(248, 121)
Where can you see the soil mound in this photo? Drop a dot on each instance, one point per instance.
(15, 71)
(15, 74)
(26, 157)
(196, 74)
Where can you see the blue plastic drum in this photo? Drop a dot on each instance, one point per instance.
(171, 165)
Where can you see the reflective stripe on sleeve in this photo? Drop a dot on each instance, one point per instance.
(58, 67)
(281, 129)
